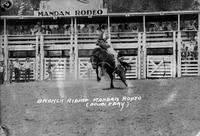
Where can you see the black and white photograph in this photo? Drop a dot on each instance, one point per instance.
(100, 68)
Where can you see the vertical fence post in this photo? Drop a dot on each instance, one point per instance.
(64, 69)
(41, 57)
(145, 55)
(76, 50)
(139, 56)
(1, 48)
(179, 54)
(1, 44)
(6, 56)
(109, 32)
(174, 55)
(71, 62)
(179, 42)
(198, 43)
(36, 58)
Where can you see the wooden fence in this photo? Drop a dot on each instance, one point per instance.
(179, 62)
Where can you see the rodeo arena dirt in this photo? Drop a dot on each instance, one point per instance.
(53, 84)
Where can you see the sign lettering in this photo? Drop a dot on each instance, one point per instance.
(93, 12)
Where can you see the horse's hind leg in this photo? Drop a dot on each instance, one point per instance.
(97, 72)
(123, 79)
(122, 76)
(111, 79)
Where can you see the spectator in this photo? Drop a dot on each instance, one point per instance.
(10, 70)
(85, 29)
(160, 27)
(48, 30)
(89, 70)
(61, 29)
(2, 68)
(191, 26)
(183, 52)
(193, 49)
(152, 27)
(196, 52)
(49, 70)
(27, 67)
(17, 70)
(92, 30)
(67, 30)
(175, 26)
(120, 28)
(43, 29)
(37, 29)
(127, 28)
(55, 29)
(114, 28)
(21, 30)
(78, 29)
(170, 29)
(164, 26)
(135, 29)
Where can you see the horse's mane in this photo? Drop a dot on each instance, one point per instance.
(98, 50)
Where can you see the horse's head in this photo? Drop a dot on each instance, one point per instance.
(96, 57)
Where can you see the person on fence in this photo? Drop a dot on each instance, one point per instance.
(10, 70)
(17, 67)
(27, 67)
(49, 70)
(183, 52)
(102, 42)
(2, 72)
(89, 71)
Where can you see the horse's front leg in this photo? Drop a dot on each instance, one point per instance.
(97, 72)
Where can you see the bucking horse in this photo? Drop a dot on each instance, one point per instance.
(100, 58)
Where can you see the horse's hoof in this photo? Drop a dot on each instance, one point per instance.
(98, 79)
(125, 84)
(111, 87)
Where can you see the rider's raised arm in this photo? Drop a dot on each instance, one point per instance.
(105, 35)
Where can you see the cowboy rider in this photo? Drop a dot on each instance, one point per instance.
(102, 42)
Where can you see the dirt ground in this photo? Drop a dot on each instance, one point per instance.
(165, 107)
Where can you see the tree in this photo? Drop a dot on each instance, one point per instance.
(152, 5)
(23, 7)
